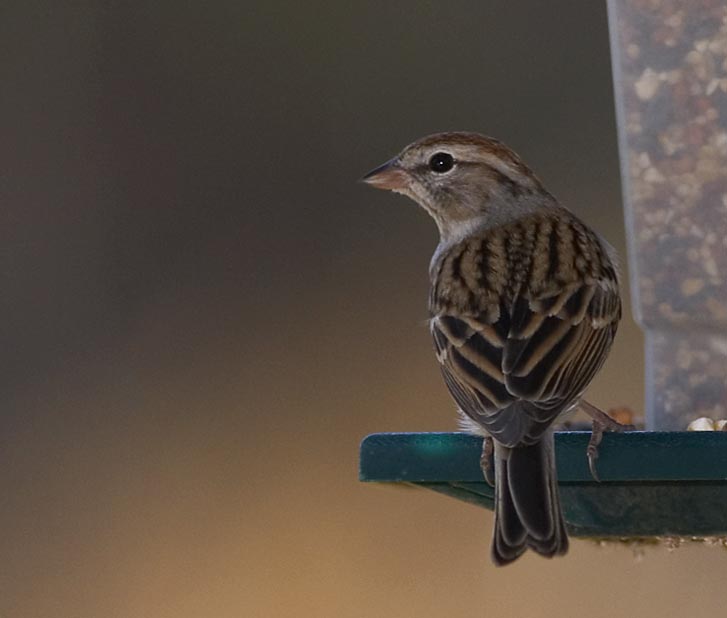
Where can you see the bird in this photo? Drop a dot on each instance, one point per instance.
(524, 305)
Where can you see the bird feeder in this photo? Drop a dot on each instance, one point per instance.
(670, 83)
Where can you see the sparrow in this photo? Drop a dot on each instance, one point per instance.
(524, 305)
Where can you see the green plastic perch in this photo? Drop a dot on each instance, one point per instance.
(652, 483)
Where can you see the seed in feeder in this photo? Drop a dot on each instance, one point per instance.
(701, 47)
(692, 286)
(647, 85)
(710, 267)
(701, 424)
(653, 175)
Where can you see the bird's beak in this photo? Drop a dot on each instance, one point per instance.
(388, 176)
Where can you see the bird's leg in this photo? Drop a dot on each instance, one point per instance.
(592, 450)
(601, 422)
(487, 462)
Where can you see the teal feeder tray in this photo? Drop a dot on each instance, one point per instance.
(653, 484)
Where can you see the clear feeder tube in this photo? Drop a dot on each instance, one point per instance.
(670, 80)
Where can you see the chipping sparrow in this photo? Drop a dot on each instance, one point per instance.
(524, 305)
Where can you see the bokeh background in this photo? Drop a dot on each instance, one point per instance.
(203, 313)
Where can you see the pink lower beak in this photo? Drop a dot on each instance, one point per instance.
(388, 176)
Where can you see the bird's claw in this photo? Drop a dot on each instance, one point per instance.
(592, 450)
(601, 422)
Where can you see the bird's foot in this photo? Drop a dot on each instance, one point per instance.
(601, 422)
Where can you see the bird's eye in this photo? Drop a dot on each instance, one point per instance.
(441, 162)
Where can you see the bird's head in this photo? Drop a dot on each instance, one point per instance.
(461, 179)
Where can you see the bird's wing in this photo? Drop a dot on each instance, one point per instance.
(514, 368)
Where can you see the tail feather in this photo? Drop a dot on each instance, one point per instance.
(527, 504)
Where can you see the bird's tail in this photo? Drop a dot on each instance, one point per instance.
(527, 505)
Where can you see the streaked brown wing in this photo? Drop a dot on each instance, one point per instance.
(514, 370)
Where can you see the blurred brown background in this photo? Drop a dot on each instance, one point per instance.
(203, 313)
